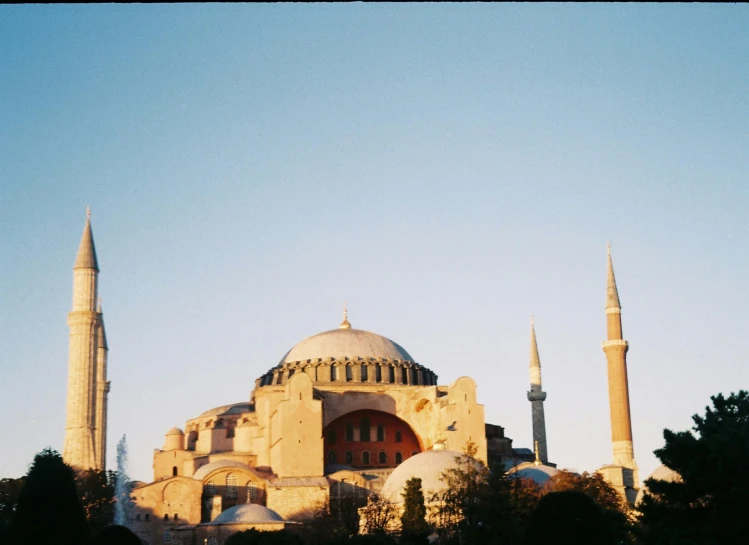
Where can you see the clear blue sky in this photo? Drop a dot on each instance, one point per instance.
(446, 169)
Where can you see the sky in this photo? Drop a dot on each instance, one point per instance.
(446, 169)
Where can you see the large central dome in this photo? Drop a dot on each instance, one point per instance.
(346, 343)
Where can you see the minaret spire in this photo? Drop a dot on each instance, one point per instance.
(623, 473)
(537, 397)
(85, 429)
(345, 323)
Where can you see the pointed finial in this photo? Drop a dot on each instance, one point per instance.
(612, 294)
(608, 247)
(345, 323)
(533, 323)
(88, 213)
(98, 304)
(537, 461)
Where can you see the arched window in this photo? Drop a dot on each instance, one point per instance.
(416, 376)
(174, 471)
(349, 457)
(332, 457)
(192, 437)
(364, 373)
(176, 516)
(231, 485)
(333, 373)
(378, 373)
(210, 489)
(365, 458)
(380, 432)
(398, 437)
(398, 458)
(391, 375)
(331, 436)
(167, 537)
(252, 493)
(349, 432)
(364, 429)
(404, 375)
(383, 458)
(166, 516)
(349, 374)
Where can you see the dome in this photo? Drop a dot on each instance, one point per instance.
(345, 343)
(203, 471)
(234, 408)
(247, 513)
(427, 466)
(175, 431)
(661, 473)
(537, 473)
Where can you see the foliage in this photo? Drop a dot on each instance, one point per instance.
(337, 518)
(366, 539)
(479, 506)
(378, 515)
(568, 518)
(96, 494)
(255, 537)
(612, 505)
(708, 505)
(10, 489)
(48, 510)
(115, 535)
(414, 528)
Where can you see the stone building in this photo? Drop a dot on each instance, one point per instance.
(336, 416)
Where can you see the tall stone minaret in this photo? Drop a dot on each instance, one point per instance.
(623, 472)
(85, 429)
(537, 397)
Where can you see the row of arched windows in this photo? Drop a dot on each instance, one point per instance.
(366, 457)
(379, 376)
(232, 488)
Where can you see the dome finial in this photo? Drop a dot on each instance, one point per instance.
(345, 323)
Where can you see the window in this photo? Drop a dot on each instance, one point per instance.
(147, 517)
(137, 517)
(404, 375)
(416, 377)
(174, 471)
(210, 489)
(176, 516)
(378, 374)
(291, 372)
(231, 485)
(331, 436)
(349, 432)
(391, 374)
(365, 458)
(213, 540)
(333, 373)
(332, 457)
(398, 458)
(383, 458)
(380, 432)
(364, 373)
(349, 374)
(166, 537)
(398, 438)
(166, 517)
(364, 429)
(349, 457)
(252, 493)
(230, 431)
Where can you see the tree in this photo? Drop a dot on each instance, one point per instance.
(708, 505)
(10, 489)
(96, 494)
(568, 518)
(255, 537)
(48, 510)
(414, 527)
(613, 508)
(378, 515)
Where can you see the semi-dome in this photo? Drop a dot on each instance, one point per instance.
(203, 471)
(247, 513)
(427, 466)
(345, 343)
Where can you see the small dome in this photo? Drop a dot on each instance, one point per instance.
(175, 431)
(203, 471)
(234, 408)
(247, 513)
(537, 473)
(427, 466)
(346, 343)
(661, 473)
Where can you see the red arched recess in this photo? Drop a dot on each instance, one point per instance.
(346, 440)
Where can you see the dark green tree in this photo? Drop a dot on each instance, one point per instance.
(568, 518)
(10, 489)
(414, 527)
(48, 510)
(708, 505)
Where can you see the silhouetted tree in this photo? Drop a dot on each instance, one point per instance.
(708, 506)
(414, 527)
(10, 489)
(115, 535)
(96, 494)
(379, 515)
(48, 510)
(255, 537)
(568, 518)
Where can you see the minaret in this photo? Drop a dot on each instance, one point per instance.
(616, 348)
(85, 429)
(537, 397)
